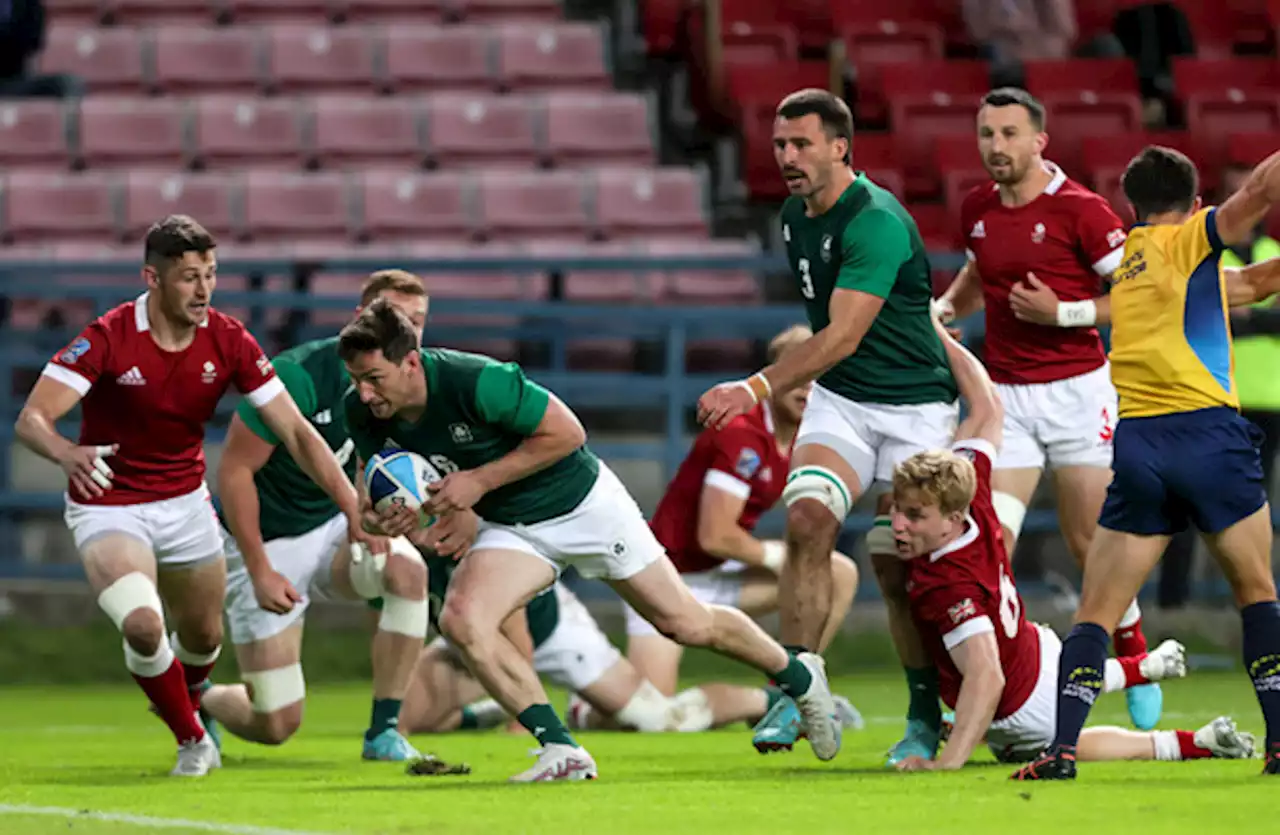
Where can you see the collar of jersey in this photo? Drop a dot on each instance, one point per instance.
(964, 540)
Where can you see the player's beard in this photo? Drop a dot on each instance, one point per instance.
(1008, 173)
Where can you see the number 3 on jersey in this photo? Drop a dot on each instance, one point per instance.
(1009, 605)
(806, 280)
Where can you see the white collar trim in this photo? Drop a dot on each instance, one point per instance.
(1059, 177)
(143, 321)
(964, 540)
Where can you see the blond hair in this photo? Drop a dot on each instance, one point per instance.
(936, 477)
(397, 281)
(787, 340)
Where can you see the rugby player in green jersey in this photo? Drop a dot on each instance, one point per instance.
(882, 388)
(286, 544)
(504, 447)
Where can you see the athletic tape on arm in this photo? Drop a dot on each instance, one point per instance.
(822, 485)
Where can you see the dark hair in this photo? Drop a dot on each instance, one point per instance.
(1160, 180)
(399, 281)
(1011, 96)
(379, 327)
(836, 118)
(172, 237)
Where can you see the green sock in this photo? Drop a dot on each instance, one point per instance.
(795, 678)
(772, 696)
(386, 715)
(545, 725)
(469, 721)
(923, 684)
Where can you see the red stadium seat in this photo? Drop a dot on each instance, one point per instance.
(150, 196)
(525, 206)
(957, 184)
(891, 42)
(1111, 154)
(364, 131)
(1251, 148)
(759, 170)
(551, 56)
(506, 10)
(745, 43)
(439, 57)
(415, 207)
(767, 84)
(1229, 77)
(957, 153)
(938, 228)
(1075, 117)
(282, 11)
(107, 60)
(33, 133)
(329, 58)
(133, 132)
(654, 201)
(945, 16)
(296, 207)
(1080, 75)
(143, 12)
(488, 129)
(1094, 17)
(208, 59)
(248, 132)
(1212, 119)
(74, 12)
(662, 22)
(406, 12)
(933, 99)
(44, 208)
(588, 128)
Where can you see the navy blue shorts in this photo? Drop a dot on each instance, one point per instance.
(1201, 467)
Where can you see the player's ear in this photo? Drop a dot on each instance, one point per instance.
(1197, 205)
(1042, 142)
(150, 276)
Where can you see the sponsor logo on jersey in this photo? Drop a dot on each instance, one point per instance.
(826, 249)
(132, 377)
(748, 463)
(1115, 238)
(75, 351)
(766, 474)
(979, 230)
(962, 611)
(323, 418)
(209, 373)
(1037, 234)
(264, 365)
(460, 433)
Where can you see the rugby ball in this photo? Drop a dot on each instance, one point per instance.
(397, 477)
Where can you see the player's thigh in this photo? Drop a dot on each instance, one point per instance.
(1115, 569)
(185, 530)
(1080, 491)
(836, 440)
(822, 487)
(110, 555)
(271, 670)
(247, 622)
(1020, 447)
(501, 573)
(282, 649)
(904, 430)
(194, 592)
(1244, 551)
(661, 597)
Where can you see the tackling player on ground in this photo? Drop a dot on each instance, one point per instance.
(1040, 246)
(286, 542)
(506, 447)
(999, 672)
(883, 390)
(1183, 454)
(150, 373)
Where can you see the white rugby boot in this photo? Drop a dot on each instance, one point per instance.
(1226, 741)
(1169, 660)
(197, 758)
(818, 718)
(557, 761)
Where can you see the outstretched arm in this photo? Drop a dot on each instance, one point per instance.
(1252, 284)
(986, 413)
(1241, 212)
(978, 660)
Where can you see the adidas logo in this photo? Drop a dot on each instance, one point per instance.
(979, 230)
(323, 418)
(132, 377)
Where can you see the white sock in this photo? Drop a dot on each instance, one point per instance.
(1112, 676)
(1166, 746)
(1131, 615)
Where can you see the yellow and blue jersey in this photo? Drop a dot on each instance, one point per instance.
(1170, 326)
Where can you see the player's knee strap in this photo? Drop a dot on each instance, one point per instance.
(368, 570)
(404, 616)
(131, 592)
(820, 484)
(149, 666)
(271, 690)
(1009, 510)
(648, 711)
(693, 712)
(880, 538)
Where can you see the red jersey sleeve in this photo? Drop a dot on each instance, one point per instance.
(83, 360)
(253, 375)
(1101, 235)
(983, 455)
(737, 455)
(958, 610)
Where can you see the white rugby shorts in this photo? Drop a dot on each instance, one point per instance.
(1066, 423)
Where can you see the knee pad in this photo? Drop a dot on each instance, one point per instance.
(149, 667)
(648, 711)
(820, 484)
(404, 616)
(270, 690)
(131, 592)
(880, 538)
(1009, 510)
(367, 569)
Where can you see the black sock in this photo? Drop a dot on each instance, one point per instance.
(1080, 676)
(795, 649)
(1262, 661)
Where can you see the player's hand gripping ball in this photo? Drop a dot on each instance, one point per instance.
(398, 479)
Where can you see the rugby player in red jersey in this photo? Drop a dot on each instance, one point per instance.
(148, 375)
(998, 671)
(706, 519)
(1040, 246)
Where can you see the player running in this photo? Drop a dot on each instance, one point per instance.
(567, 646)
(883, 389)
(705, 522)
(1040, 246)
(516, 454)
(150, 373)
(1183, 454)
(286, 544)
(999, 672)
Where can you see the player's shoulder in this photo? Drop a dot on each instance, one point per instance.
(743, 428)
(121, 319)
(980, 198)
(224, 323)
(1076, 197)
(459, 365)
(322, 350)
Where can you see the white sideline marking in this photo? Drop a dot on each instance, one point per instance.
(147, 820)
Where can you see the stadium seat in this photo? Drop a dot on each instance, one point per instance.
(482, 130)
(362, 131)
(148, 12)
(551, 56)
(106, 60)
(938, 228)
(933, 99)
(399, 12)
(149, 196)
(891, 42)
(206, 59)
(1108, 156)
(524, 206)
(330, 58)
(753, 44)
(642, 202)
(767, 84)
(33, 134)
(150, 133)
(956, 185)
(957, 153)
(1081, 75)
(588, 128)
(1230, 77)
(906, 14)
(417, 207)
(1211, 119)
(282, 11)
(663, 23)
(438, 57)
(248, 132)
(46, 208)
(505, 11)
(1225, 96)
(74, 12)
(1073, 117)
(295, 207)
(1250, 148)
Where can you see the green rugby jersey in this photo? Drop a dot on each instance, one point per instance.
(868, 242)
(542, 612)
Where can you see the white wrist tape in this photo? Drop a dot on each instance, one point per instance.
(775, 555)
(943, 310)
(1077, 314)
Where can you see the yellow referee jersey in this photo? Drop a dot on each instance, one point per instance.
(1170, 326)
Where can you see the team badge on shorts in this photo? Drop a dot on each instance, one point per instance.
(619, 548)
(748, 463)
(75, 351)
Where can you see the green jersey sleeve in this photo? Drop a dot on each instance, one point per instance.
(875, 245)
(507, 398)
(357, 417)
(300, 387)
